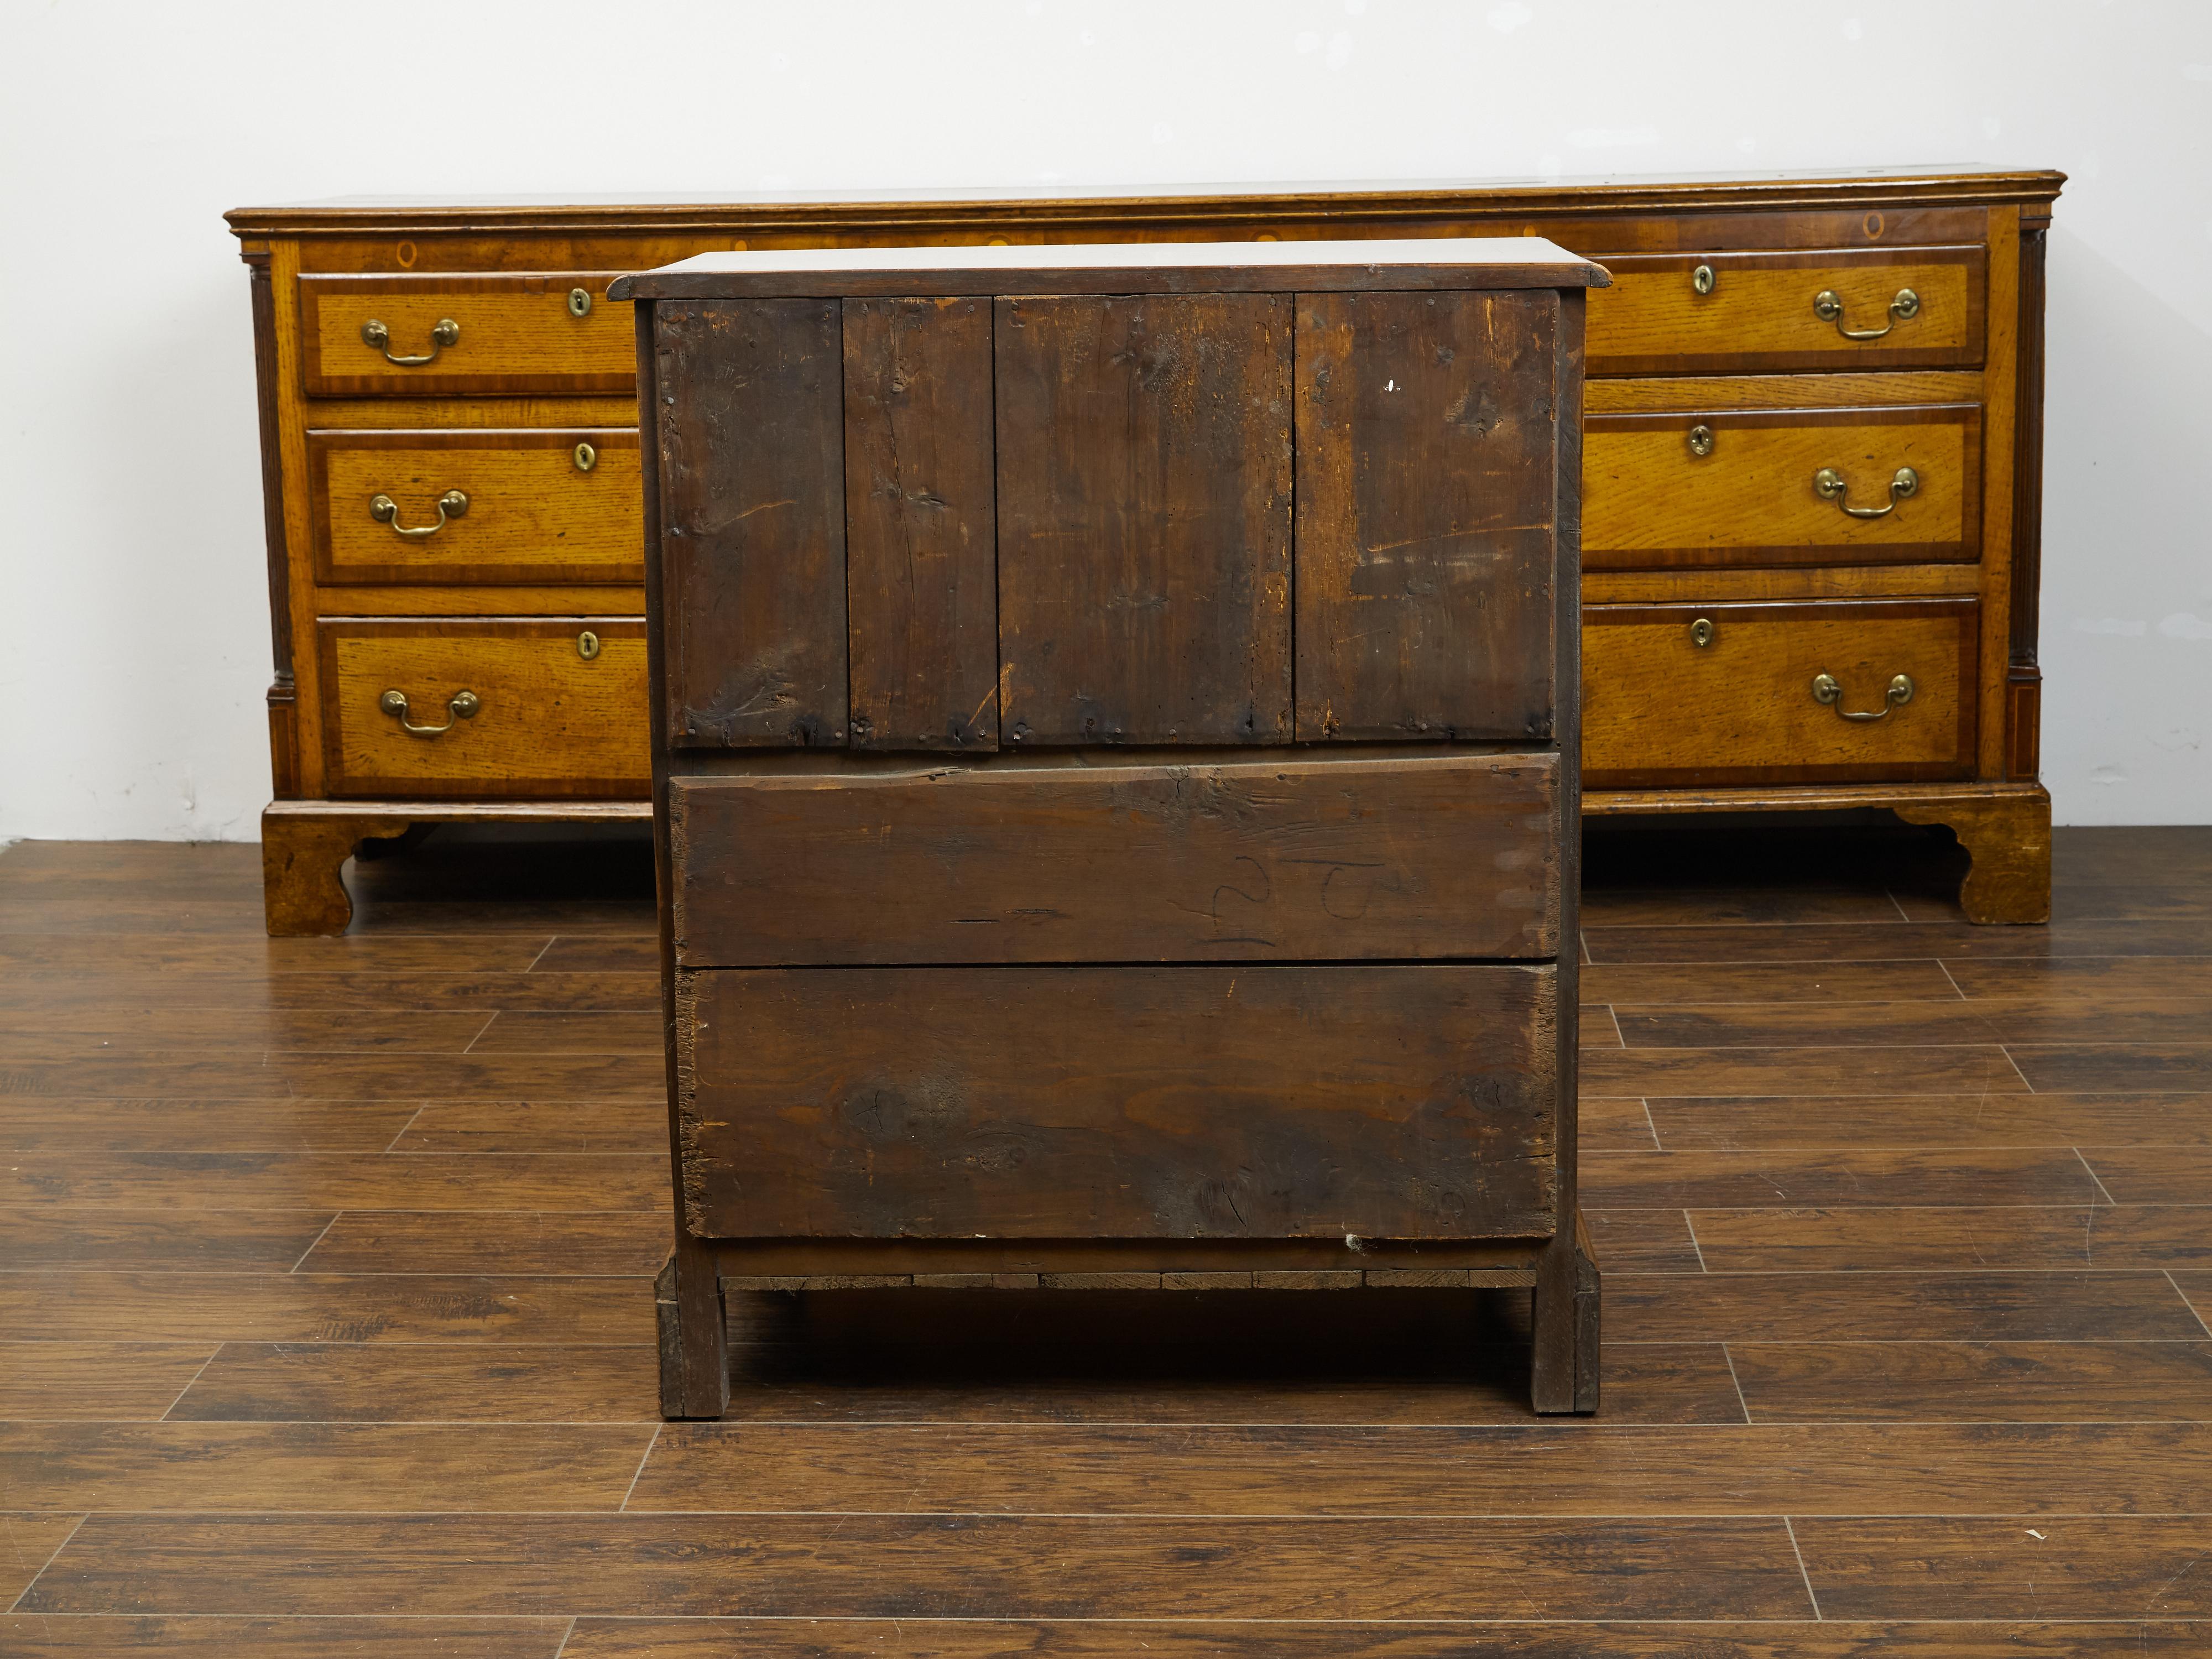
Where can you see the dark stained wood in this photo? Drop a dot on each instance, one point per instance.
(1918, 1239)
(1702, 1179)
(215, 1241)
(354, 1382)
(1957, 1306)
(1632, 985)
(1427, 515)
(1144, 491)
(1327, 1097)
(2080, 1567)
(921, 525)
(44, 1635)
(893, 1566)
(2153, 1175)
(502, 1241)
(1906, 1120)
(1290, 859)
(2023, 676)
(283, 696)
(1976, 1382)
(751, 487)
(1966, 1069)
(46, 1382)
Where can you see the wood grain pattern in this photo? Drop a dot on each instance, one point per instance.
(534, 515)
(47, 1635)
(751, 486)
(1074, 1567)
(1741, 709)
(1861, 1307)
(47, 1382)
(517, 335)
(1427, 515)
(1305, 1120)
(550, 721)
(2122, 1567)
(1144, 490)
(1760, 315)
(1650, 501)
(351, 1382)
(1288, 859)
(1978, 1382)
(921, 524)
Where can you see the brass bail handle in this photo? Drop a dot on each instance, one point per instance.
(1828, 307)
(375, 334)
(1832, 486)
(451, 505)
(461, 706)
(1828, 690)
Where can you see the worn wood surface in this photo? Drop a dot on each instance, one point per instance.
(752, 527)
(921, 524)
(1170, 1103)
(1292, 860)
(1143, 490)
(1427, 515)
(1932, 1342)
(534, 514)
(1659, 710)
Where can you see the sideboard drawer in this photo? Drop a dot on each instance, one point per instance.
(505, 707)
(1710, 314)
(1809, 486)
(389, 335)
(1746, 705)
(459, 508)
(1219, 1102)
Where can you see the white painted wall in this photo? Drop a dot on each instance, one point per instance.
(133, 630)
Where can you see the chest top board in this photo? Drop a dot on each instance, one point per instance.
(1114, 724)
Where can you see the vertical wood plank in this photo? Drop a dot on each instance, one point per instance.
(921, 543)
(752, 491)
(1144, 519)
(1427, 432)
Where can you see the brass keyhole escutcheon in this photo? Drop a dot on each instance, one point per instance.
(1701, 632)
(586, 457)
(1701, 279)
(1701, 440)
(579, 303)
(587, 645)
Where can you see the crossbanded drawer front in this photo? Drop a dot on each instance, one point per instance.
(1809, 486)
(1713, 313)
(552, 505)
(1222, 1102)
(436, 336)
(1679, 695)
(499, 707)
(1418, 857)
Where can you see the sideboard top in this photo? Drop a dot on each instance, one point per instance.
(1070, 206)
(1420, 263)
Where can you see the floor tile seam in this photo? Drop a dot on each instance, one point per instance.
(2091, 1170)
(1334, 1519)
(1177, 1425)
(1811, 1595)
(336, 1216)
(195, 1377)
(24, 1594)
(644, 1458)
(2206, 1324)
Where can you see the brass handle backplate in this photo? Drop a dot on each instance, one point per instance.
(1828, 690)
(384, 510)
(1828, 307)
(1830, 486)
(374, 333)
(461, 706)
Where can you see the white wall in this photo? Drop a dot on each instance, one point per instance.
(133, 627)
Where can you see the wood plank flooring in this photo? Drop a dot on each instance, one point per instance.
(326, 1325)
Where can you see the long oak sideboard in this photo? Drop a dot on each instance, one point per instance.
(1812, 493)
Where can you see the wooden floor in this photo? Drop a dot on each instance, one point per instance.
(328, 1321)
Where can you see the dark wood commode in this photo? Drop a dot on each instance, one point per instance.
(1760, 334)
(1114, 715)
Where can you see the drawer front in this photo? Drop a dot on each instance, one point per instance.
(547, 721)
(1766, 311)
(509, 334)
(1792, 487)
(1224, 1102)
(461, 507)
(1309, 860)
(1661, 710)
